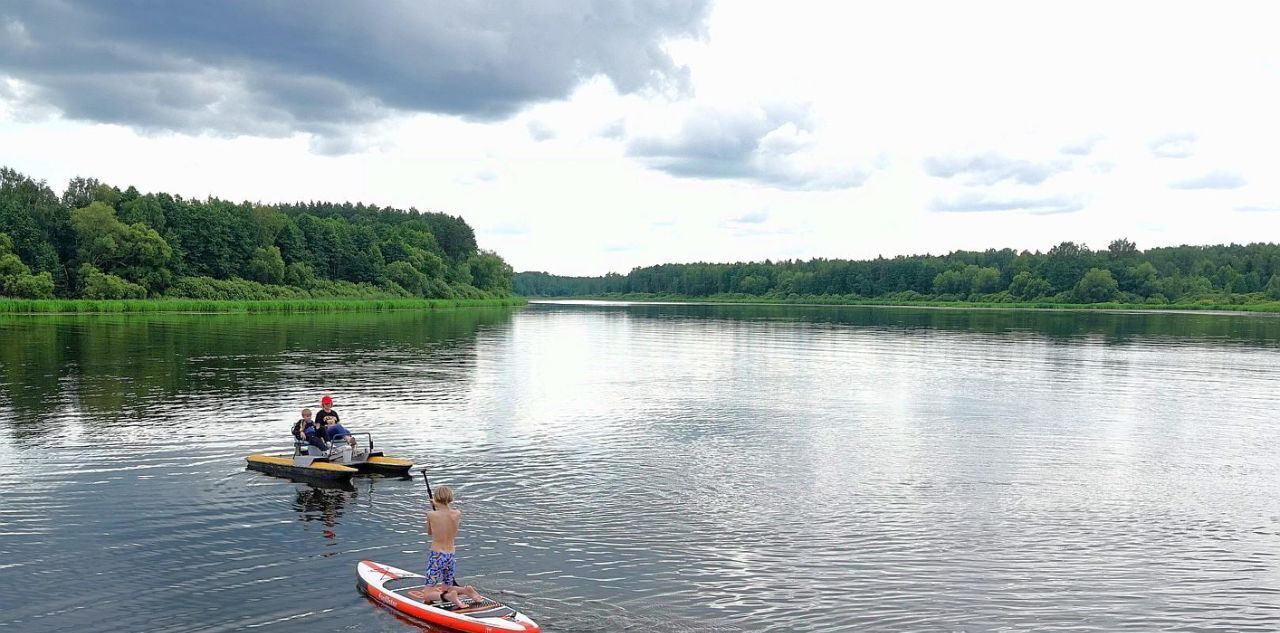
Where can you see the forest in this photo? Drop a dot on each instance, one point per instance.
(1069, 273)
(95, 241)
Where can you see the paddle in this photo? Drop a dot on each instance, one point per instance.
(430, 496)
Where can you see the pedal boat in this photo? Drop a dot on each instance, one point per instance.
(363, 457)
(339, 463)
(302, 467)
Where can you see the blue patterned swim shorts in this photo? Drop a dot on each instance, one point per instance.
(441, 568)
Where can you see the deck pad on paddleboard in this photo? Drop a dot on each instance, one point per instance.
(486, 609)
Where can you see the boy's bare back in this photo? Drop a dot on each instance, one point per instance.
(442, 526)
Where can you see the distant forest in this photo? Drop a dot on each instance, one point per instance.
(97, 242)
(1069, 273)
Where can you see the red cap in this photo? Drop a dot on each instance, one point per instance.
(326, 400)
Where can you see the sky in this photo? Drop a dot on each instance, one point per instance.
(589, 136)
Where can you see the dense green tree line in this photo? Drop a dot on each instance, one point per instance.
(1067, 273)
(98, 242)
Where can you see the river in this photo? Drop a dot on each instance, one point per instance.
(653, 468)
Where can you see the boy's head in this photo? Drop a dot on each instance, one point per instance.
(326, 402)
(306, 414)
(442, 494)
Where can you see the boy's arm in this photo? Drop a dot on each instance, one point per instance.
(429, 523)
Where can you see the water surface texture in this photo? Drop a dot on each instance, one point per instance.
(653, 468)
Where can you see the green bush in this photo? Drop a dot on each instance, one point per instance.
(31, 286)
(16, 279)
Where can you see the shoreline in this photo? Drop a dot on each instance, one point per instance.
(50, 307)
(1261, 310)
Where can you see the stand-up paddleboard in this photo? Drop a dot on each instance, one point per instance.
(404, 591)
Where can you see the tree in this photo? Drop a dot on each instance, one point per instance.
(1273, 287)
(490, 273)
(1096, 286)
(265, 266)
(1122, 249)
(754, 285)
(300, 275)
(1027, 286)
(16, 279)
(406, 276)
(135, 252)
(32, 216)
(1142, 279)
(1064, 265)
(953, 282)
(145, 210)
(986, 280)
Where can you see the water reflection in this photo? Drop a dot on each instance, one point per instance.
(116, 369)
(1116, 327)
(323, 504)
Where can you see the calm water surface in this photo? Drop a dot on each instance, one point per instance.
(653, 468)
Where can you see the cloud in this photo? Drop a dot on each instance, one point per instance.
(752, 217)
(540, 131)
(991, 168)
(1217, 179)
(978, 202)
(773, 145)
(1259, 208)
(271, 69)
(1081, 148)
(616, 130)
(1175, 145)
(15, 34)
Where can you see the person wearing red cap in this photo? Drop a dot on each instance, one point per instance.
(327, 418)
(326, 415)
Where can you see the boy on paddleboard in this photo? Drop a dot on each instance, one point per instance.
(442, 565)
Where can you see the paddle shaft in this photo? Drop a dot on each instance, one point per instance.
(430, 496)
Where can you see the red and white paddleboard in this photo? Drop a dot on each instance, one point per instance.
(405, 592)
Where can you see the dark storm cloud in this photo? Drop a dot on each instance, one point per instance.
(272, 68)
(978, 202)
(990, 168)
(769, 145)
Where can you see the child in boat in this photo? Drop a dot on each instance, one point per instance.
(326, 415)
(308, 431)
(442, 566)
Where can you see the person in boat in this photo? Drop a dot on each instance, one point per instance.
(326, 414)
(442, 564)
(306, 430)
(334, 431)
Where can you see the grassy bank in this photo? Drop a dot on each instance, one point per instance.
(841, 300)
(63, 306)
